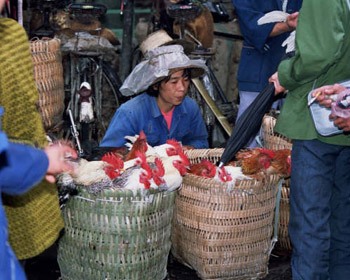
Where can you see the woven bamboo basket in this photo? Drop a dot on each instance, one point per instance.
(223, 232)
(273, 140)
(116, 235)
(48, 75)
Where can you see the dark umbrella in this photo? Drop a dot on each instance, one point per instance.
(248, 124)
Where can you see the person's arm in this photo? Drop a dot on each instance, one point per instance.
(286, 26)
(22, 166)
(199, 135)
(120, 126)
(254, 34)
(319, 37)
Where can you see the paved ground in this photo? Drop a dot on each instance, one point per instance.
(45, 267)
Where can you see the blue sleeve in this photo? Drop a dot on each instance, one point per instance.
(21, 167)
(120, 126)
(199, 136)
(249, 12)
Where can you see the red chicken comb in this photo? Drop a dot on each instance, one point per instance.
(176, 144)
(115, 160)
(268, 152)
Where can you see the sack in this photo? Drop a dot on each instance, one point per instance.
(320, 116)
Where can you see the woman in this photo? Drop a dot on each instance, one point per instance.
(163, 111)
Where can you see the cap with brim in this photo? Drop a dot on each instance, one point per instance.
(158, 65)
(162, 38)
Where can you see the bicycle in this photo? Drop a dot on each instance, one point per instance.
(91, 83)
(207, 90)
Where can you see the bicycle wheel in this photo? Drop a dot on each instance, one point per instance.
(111, 99)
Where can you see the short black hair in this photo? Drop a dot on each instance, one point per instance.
(153, 90)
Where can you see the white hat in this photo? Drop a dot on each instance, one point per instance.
(161, 38)
(158, 63)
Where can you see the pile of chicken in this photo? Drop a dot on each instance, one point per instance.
(140, 167)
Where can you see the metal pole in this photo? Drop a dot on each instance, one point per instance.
(219, 116)
(126, 51)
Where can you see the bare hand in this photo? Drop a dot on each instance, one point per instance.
(342, 123)
(278, 88)
(326, 94)
(292, 20)
(57, 154)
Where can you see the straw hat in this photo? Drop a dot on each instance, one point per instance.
(162, 38)
(158, 64)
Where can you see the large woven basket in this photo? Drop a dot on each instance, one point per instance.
(224, 233)
(48, 75)
(273, 140)
(116, 235)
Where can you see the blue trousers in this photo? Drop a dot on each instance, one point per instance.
(319, 225)
(245, 99)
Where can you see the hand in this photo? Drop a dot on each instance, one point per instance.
(278, 88)
(57, 154)
(325, 94)
(342, 123)
(292, 20)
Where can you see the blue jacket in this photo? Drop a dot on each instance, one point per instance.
(21, 167)
(260, 53)
(142, 113)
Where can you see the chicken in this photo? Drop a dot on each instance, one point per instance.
(115, 165)
(255, 160)
(264, 160)
(171, 147)
(139, 145)
(137, 177)
(175, 168)
(158, 173)
(204, 168)
(89, 172)
(230, 173)
(281, 163)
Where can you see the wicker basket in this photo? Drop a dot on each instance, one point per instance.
(116, 235)
(276, 141)
(271, 139)
(48, 75)
(221, 232)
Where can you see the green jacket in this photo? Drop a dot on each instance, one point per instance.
(322, 57)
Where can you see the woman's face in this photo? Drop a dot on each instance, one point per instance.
(173, 91)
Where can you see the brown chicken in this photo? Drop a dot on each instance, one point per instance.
(204, 168)
(140, 145)
(264, 160)
(281, 163)
(254, 160)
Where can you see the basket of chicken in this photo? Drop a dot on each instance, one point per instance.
(273, 140)
(223, 217)
(118, 216)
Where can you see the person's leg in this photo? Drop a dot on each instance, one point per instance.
(340, 219)
(313, 169)
(245, 99)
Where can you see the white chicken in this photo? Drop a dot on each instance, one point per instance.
(137, 177)
(89, 172)
(175, 168)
